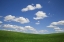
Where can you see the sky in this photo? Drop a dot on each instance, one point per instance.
(32, 16)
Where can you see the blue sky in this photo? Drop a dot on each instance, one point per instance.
(48, 14)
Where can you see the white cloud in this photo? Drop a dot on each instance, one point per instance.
(26, 29)
(31, 7)
(21, 20)
(13, 27)
(51, 26)
(43, 31)
(40, 15)
(19, 27)
(33, 30)
(38, 6)
(9, 17)
(59, 30)
(58, 23)
(37, 23)
(1, 22)
(29, 28)
(54, 25)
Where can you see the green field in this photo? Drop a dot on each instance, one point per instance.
(8, 36)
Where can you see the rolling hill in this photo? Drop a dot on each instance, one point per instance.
(9, 36)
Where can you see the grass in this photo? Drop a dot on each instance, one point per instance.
(8, 36)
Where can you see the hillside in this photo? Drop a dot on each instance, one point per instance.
(8, 36)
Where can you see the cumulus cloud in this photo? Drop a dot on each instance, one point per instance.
(31, 29)
(34, 30)
(26, 29)
(40, 15)
(43, 31)
(9, 18)
(37, 23)
(58, 23)
(59, 30)
(31, 7)
(21, 20)
(1, 22)
(54, 25)
(38, 6)
(14, 27)
(51, 26)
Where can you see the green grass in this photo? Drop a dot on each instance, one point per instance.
(8, 36)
